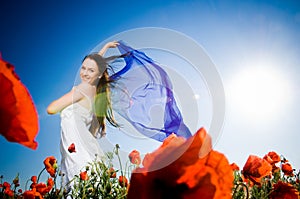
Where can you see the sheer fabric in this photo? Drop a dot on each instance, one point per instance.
(141, 88)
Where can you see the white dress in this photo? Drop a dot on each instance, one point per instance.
(76, 121)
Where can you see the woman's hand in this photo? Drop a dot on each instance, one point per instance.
(112, 44)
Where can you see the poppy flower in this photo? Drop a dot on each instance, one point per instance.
(42, 188)
(123, 181)
(284, 190)
(18, 115)
(272, 157)
(287, 169)
(7, 189)
(234, 167)
(182, 168)
(9, 192)
(83, 175)
(256, 168)
(6, 185)
(112, 173)
(34, 179)
(32, 194)
(135, 157)
(71, 148)
(50, 165)
(50, 182)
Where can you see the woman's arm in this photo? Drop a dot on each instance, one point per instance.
(108, 45)
(71, 97)
(64, 101)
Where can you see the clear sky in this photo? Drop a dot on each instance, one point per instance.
(255, 46)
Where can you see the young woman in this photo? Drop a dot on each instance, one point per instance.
(140, 85)
(77, 110)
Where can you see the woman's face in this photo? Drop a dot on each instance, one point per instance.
(89, 71)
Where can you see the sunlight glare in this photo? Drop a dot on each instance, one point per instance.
(259, 93)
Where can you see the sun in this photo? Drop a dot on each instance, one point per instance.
(258, 93)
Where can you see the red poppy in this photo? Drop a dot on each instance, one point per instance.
(42, 188)
(6, 185)
(7, 189)
(50, 165)
(112, 173)
(9, 192)
(71, 148)
(284, 190)
(84, 176)
(135, 157)
(18, 115)
(123, 181)
(32, 194)
(272, 157)
(256, 168)
(234, 167)
(34, 179)
(182, 168)
(287, 169)
(50, 182)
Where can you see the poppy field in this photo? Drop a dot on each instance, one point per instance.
(179, 168)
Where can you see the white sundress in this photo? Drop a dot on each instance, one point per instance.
(76, 121)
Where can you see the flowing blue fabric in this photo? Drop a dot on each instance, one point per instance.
(145, 96)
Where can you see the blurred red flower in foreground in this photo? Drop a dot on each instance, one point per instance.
(256, 168)
(71, 148)
(284, 190)
(135, 157)
(18, 115)
(50, 165)
(182, 168)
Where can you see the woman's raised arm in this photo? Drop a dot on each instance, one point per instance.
(108, 45)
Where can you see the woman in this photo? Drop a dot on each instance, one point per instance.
(140, 85)
(78, 114)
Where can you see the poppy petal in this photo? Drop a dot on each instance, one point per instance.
(18, 115)
(182, 168)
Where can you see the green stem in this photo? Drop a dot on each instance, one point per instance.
(117, 153)
(26, 184)
(40, 174)
(243, 185)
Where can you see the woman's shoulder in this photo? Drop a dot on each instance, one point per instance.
(86, 88)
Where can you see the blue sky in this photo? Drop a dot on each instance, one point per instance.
(46, 42)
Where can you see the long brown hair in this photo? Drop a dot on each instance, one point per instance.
(103, 105)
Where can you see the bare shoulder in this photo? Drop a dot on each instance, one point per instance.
(86, 88)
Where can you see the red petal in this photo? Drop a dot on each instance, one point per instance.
(18, 115)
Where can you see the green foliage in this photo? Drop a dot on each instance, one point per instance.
(100, 182)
